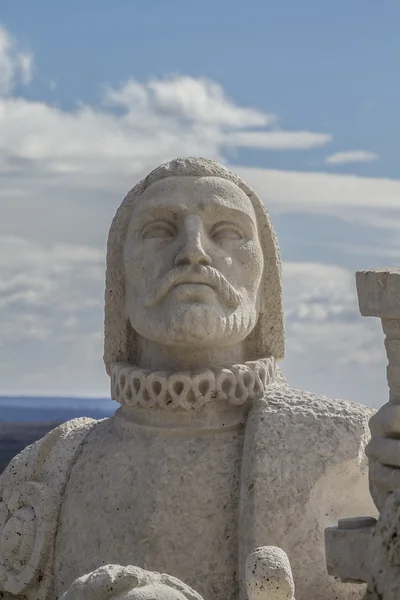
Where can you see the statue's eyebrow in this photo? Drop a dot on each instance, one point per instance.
(160, 211)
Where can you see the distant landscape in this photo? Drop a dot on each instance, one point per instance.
(27, 409)
(23, 420)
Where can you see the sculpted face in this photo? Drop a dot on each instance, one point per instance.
(193, 263)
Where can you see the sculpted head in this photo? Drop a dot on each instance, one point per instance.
(192, 262)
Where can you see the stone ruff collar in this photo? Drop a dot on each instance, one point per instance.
(133, 386)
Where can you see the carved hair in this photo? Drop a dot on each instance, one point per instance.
(267, 338)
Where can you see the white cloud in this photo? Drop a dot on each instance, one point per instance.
(278, 140)
(15, 66)
(331, 349)
(352, 156)
(197, 100)
(51, 300)
(362, 200)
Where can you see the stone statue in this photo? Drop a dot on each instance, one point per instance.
(211, 454)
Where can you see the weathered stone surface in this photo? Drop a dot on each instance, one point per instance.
(385, 552)
(268, 575)
(113, 582)
(31, 490)
(379, 295)
(348, 549)
(304, 467)
(379, 292)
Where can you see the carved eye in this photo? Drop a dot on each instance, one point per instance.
(226, 231)
(158, 229)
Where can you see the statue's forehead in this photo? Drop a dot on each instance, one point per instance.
(195, 192)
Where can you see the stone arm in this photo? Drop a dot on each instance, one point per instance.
(383, 453)
(31, 491)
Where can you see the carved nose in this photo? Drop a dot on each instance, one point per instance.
(193, 252)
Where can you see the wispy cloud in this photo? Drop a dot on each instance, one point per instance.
(351, 156)
(278, 140)
(15, 66)
(361, 200)
(198, 100)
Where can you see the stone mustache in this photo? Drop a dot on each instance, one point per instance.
(213, 470)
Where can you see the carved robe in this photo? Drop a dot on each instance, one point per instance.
(189, 498)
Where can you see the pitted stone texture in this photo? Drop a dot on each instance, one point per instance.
(158, 497)
(348, 548)
(114, 582)
(303, 468)
(268, 575)
(385, 553)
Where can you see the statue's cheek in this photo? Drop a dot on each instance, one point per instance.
(248, 262)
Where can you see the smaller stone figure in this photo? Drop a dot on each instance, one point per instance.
(114, 582)
(269, 575)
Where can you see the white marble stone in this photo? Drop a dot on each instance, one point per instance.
(210, 455)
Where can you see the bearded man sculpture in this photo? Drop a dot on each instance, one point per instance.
(211, 454)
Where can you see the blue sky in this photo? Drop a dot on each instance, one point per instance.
(325, 66)
(301, 99)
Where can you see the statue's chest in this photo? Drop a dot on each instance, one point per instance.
(162, 502)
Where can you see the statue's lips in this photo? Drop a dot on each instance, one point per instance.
(192, 281)
(195, 282)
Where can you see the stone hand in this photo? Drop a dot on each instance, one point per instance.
(383, 452)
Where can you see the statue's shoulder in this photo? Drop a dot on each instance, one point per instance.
(329, 425)
(31, 490)
(286, 399)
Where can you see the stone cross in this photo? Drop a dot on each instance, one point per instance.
(379, 296)
(348, 544)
